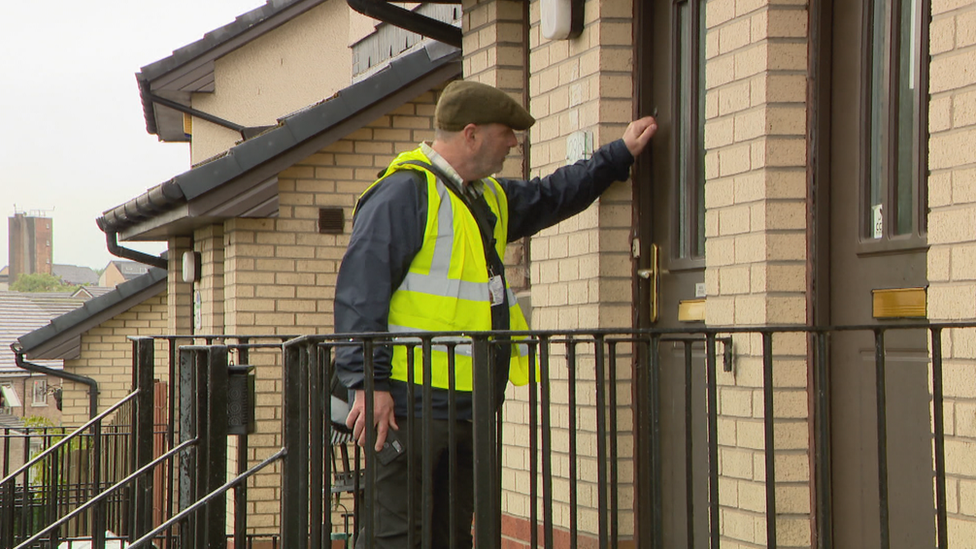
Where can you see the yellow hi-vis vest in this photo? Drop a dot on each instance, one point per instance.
(446, 287)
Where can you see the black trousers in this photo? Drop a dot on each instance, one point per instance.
(393, 482)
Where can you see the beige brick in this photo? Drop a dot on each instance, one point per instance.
(966, 29)
(951, 226)
(734, 220)
(718, 12)
(942, 35)
(964, 186)
(734, 36)
(952, 70)
(784, 23)
(964, 108)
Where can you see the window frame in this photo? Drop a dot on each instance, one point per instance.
(35, 403)
(688, 168)
(889, 85)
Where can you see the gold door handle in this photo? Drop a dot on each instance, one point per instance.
(652, 274)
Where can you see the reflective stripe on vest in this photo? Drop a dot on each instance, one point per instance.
(446, 286)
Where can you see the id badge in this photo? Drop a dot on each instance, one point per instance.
(496, 290)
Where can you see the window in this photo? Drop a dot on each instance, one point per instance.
(39, 393)
(896, 99)
(689, 121)
(8, 397)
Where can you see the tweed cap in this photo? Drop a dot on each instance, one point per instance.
(464, 103)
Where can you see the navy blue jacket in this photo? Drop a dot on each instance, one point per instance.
(388, 231)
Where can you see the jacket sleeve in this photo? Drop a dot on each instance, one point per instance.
(542, 202)
(388, 231)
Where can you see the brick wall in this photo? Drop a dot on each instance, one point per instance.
(755, 217)
(951, 230)
(209, 243)
(106, 355)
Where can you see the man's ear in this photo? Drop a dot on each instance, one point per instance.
(470, 134)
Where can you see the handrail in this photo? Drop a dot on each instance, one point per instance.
(111, 490)
(206, 499)
(68, 438)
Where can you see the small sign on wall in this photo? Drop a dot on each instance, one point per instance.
(877, 222)
(579, 146)
(197, 310)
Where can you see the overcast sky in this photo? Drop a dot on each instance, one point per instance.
(73, 142)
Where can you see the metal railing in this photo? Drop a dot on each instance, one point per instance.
(616, 363)
(611, 422)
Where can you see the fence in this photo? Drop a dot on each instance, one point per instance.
(615, 439)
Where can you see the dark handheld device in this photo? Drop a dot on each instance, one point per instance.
(392, 448)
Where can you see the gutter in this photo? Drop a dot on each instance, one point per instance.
(112, 242)
(37, 368)
(245, 131)
(408, 20)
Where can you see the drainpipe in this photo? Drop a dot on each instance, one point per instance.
(408, 20)
(37, 368)
(112, 241)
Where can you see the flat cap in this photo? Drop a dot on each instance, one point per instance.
(464, 103)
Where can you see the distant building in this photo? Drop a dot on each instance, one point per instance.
(117, 272)
(23, 393)
(29, 245)
(75, 275)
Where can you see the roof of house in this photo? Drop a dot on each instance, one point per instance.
(12, 422)
(130, 269)
(88, 292)
(191, 68)
(242, 182)
(23, 312)
(61, 338)
(73, 274)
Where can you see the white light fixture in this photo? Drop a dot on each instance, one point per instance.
(562, 19)
(191, 267)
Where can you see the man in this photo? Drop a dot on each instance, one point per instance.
(426, 256)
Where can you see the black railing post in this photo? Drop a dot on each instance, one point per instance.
(882, 411)
(143, 435)
(821, 418)
(601, 437)
(486, 508)
(769, 443)
(98, 519)
(240, 491)
(193, 425)
(216, 443)
(689, 443)
(7, 499)
(654, 406)
(294, 469)
(712, 419)
(319, 404)
(938, 418)
(545, 400)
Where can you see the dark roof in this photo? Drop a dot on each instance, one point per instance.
(190, 68)
(72, 274)
(60, 339)
(242, 182)
(22, 312)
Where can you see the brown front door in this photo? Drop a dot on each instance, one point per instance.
(871, 233)
(670, 245)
